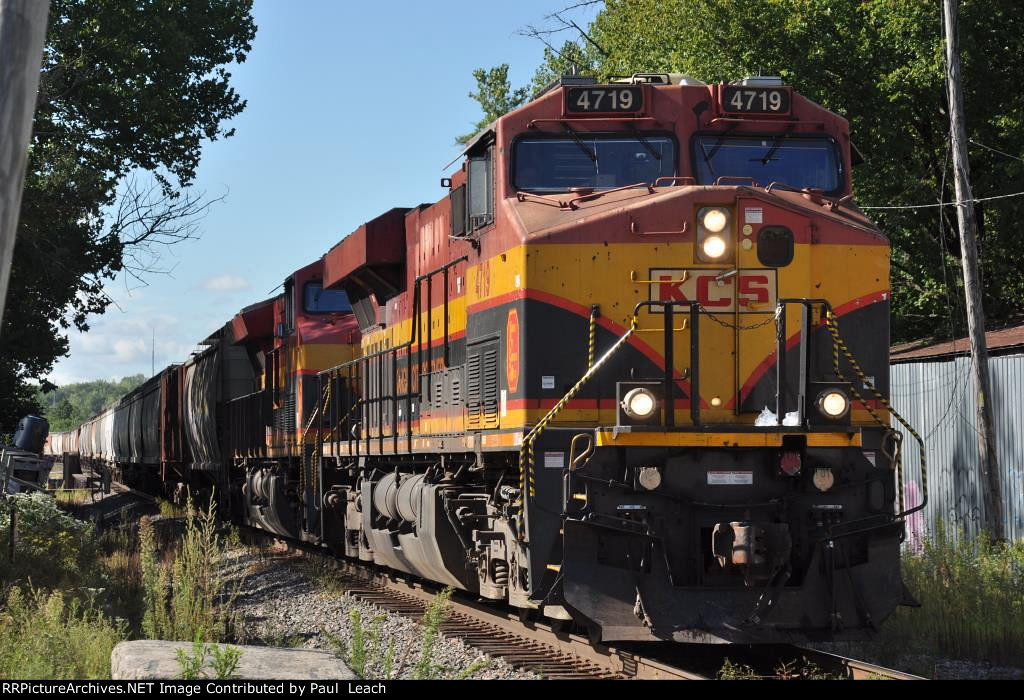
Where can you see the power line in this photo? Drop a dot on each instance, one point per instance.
(962, 202)
(996, 150)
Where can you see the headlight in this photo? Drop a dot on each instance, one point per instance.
(639, 403)
(713, 247)
(713, 234)
(715, 220)
(833, 404)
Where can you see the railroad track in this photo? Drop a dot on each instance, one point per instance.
(556, 654)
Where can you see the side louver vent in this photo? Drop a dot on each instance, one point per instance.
(482, 386)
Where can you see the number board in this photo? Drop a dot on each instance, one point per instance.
(604, 100)
(737, 99)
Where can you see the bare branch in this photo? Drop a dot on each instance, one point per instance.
(570, 24)
(148, 220)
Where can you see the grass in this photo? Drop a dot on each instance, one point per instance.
(168, 509)
(972, 601)
(70, 593)
(325, 575)
(223, 661)
(187, 597)
(784, 671)
(72, 497)
(43, 636)
(369, 657)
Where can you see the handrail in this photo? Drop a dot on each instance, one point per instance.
(572, 203)
(721, 179)
(673, 179)
(526, 480)
(415, 339)
(668, 376)
(523, 196)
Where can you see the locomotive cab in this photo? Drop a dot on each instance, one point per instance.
(272, 432)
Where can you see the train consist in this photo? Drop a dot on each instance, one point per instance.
(629, 373)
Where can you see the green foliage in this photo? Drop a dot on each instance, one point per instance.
(189, 596)
(53, 549)
(69, 406)
(433, 617)
(972, 601)
(44, 637)
(495, 95)
(191, 662)
(155, 582)
(368, 656)
(357, 649)
(126, 86)
(224, 661)
(880, 64)
(736, 672)
(169, 509)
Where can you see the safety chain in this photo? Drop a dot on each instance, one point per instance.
(772, 318)
(832, 323)
(592, 335)
(527, 486)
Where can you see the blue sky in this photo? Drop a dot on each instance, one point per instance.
(353, 108)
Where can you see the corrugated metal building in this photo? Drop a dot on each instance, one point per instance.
(931, 387)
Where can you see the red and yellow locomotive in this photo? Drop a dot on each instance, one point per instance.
(565, 359)
(630, 373)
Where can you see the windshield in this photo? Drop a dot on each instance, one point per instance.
(585, 160)
(317, 300)
(794, 160)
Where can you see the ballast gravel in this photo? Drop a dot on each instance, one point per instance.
(281, 603)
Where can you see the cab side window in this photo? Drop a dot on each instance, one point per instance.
(480, 190)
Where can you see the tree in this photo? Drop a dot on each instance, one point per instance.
(879, 63)
(69, 406)
(127, 87)
(496, 97)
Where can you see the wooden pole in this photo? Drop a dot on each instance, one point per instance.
(22, 32)
(987, 459)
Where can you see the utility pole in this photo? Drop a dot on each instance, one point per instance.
(990, 481)
(22, 32)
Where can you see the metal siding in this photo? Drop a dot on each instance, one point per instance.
(200, 405)
(937, 399)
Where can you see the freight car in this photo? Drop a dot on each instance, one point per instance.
(630, 373)
(242, 386)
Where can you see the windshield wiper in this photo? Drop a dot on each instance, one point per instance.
(579, 142)
(775, 147)
(707, 158)
(645, 143)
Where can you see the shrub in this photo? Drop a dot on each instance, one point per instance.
(223, 660)
(53, 549)
(44, 637)
(189, 597)
(972, 601)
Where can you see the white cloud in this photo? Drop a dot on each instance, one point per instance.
(128, 350)
(116, 346)
(224, 283)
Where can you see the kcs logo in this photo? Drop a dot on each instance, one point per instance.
(751, 290)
